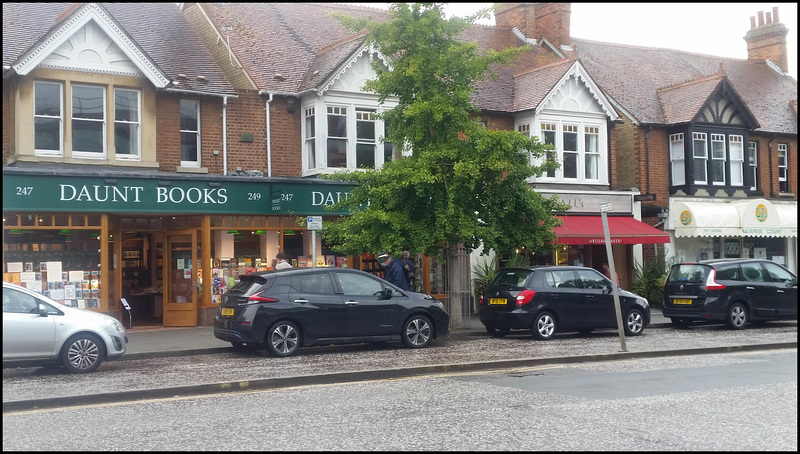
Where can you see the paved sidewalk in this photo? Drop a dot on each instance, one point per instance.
(156, 342)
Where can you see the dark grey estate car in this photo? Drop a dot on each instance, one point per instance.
(733, 291)
(283, 310)
(550, 299)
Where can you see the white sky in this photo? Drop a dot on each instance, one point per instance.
(705, 28)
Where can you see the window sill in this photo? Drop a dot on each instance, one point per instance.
(192, 170)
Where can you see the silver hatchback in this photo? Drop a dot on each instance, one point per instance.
(39, 330)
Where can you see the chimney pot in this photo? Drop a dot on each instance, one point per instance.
(760, 18)
(775, 14)
(752, 21)
(769, 18)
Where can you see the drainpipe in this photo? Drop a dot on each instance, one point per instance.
(225, 135)
(647, 157)
(655, 245)
(769, 153)
(269, 142)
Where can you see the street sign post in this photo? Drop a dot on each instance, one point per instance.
(314, 223)
(604, 209)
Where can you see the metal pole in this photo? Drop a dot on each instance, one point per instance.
(615, 288)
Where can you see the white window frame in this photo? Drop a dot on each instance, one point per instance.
(700, 156)
(134, 124)
(677, 158)
(591, 158)
(736, 152)
(74, 119)
(310, 158)
(59, 152)
(338, 111)
(195, 132)
(556, 127)
(783, 167)
(718, 159)
(752, 162)
(366, 116)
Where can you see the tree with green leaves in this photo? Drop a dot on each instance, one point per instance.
(461, 182)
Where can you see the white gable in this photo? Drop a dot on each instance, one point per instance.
(91, 49)
(353, 77)
(577, 92)
(91, 41)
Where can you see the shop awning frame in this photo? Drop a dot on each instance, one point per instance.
(622, 230)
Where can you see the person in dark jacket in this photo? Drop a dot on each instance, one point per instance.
(409, 270)
(393, 270)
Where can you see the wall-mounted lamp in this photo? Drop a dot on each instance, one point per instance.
(164, 183)
(111, 181)
(290, 105)
(212, 184)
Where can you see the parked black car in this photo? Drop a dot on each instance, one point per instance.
(733, 291)
(283, 310)
(550, 299)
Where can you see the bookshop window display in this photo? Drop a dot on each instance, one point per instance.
(57, 255)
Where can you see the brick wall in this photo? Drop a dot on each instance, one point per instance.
(168, 141)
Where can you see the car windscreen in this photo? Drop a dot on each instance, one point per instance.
(511, 278)
(688, 273)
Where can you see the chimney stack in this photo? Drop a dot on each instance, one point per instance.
(767, 41)
(537, 20)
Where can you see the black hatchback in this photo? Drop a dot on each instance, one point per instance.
(283, 310)
(733, 291)
(551, 299)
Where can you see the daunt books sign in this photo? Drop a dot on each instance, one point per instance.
(141, 195)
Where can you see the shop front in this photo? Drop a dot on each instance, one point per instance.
(581, 237)
(750, 228)
(168, 245)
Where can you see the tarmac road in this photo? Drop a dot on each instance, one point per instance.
(190, 361)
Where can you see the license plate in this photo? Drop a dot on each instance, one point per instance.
(227, 311)
(497, 301)
(681, 301)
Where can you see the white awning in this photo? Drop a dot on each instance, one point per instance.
(758, 217)
(706, 219)
(788, 216)
(746, 218)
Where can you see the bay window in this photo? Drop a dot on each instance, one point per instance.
(737, 160)
(592, 152)
(337, 136)
(310, 138)
(700, 157)
(718, 159)
(365, 139)
(579, 148)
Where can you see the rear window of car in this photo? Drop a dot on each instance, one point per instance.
(688, 273)
(249, 282)
(511, 278)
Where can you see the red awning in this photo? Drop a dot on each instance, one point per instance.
(622, 230)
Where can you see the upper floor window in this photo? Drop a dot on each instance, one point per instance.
(88, 121)
(717, 159)
(752, 162)
(337, 136)
(127, 124)
(677, 159)
(190, 133)
(352, 137)
(310, 138)
(579, 148)
(48, 118)
(700, 157)
(737, 160)
(783, 167)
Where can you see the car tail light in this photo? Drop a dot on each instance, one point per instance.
(525, 297)
(481, 303)
(711, 283)
(257, 298)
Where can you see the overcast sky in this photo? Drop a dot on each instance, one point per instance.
(705, 28)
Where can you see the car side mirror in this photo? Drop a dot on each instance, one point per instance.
(387, 293)
(42, 310)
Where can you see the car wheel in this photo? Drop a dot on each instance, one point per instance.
(634, 322)
(544, 328)
(497, 332)
(417, 332)
(737, 316)
(680, 322)
(82, 353)
(283, 339)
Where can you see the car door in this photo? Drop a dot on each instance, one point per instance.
(565, 297)
(598, 309)
(761, 293)
(317, 306)
(26, 334)
(367, 312)
(785, 289)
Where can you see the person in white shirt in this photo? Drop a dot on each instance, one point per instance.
(282, 263)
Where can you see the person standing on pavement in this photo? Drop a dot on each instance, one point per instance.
(282, 263)
(607, 273)
(409, 270)
(393, 270)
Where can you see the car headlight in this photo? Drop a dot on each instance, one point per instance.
(117, 326)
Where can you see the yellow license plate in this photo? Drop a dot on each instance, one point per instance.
(681, 301)
(497, 301)
(227, 311)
